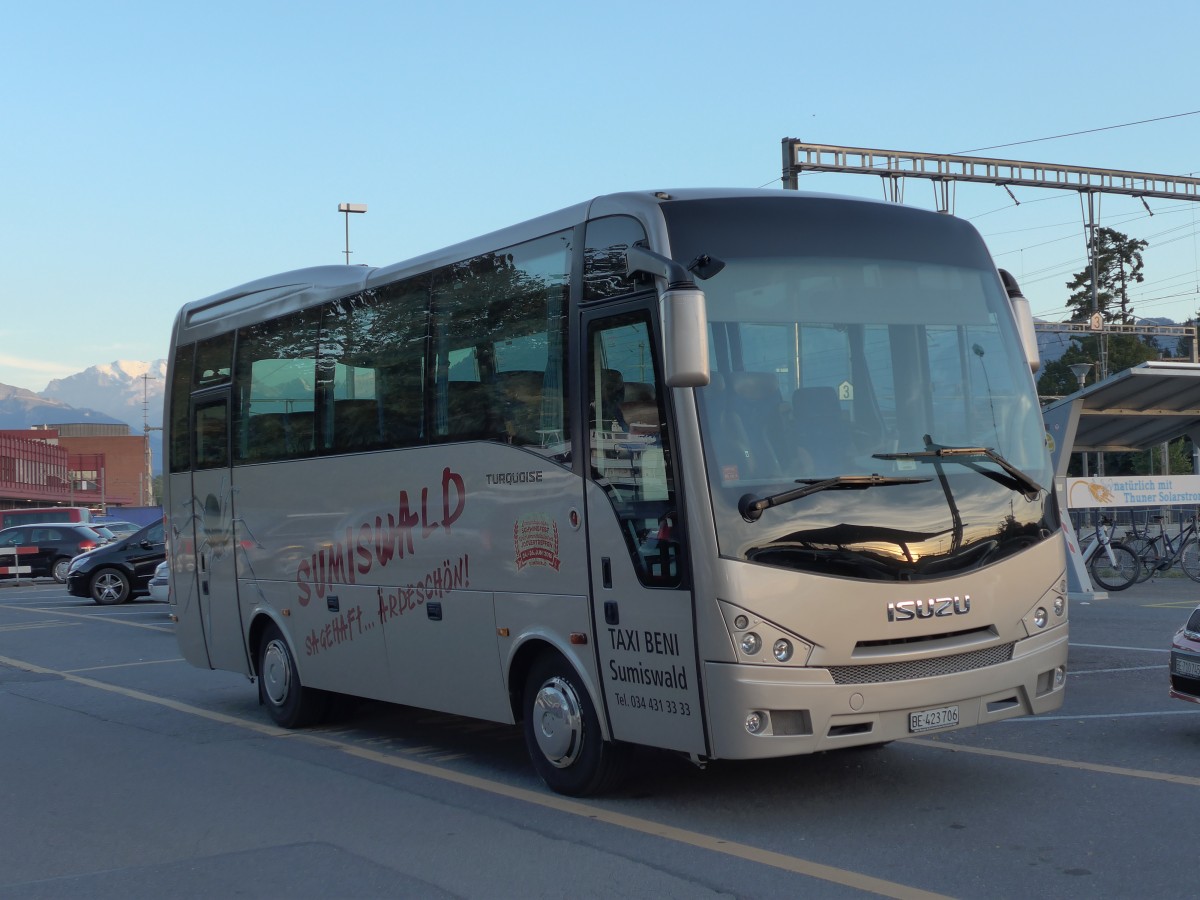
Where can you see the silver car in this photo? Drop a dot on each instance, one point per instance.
(160, 584)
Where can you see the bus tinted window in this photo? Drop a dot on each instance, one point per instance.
(212, 434)
(471, 351)
(276, 389)
(181, 392)
(498, 348)
(372, 363)
(214, 361)
(631, 455)
(604, 256)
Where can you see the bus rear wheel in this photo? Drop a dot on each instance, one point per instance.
(562, 732)
(290, 703)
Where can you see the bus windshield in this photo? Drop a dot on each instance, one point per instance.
(844, 348)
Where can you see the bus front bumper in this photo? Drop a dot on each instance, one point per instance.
(757, 712)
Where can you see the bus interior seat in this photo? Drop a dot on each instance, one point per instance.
(820, 428)
(727, 434)
(612, 395)
(760, 406)
(300, 427)
(355, 424)
(471, 413)
(266, 437)
(640, 408)
(520, 394)
(403, 404)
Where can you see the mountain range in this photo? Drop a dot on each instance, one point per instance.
(122, 391)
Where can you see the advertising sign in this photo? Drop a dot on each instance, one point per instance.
(1133, 490)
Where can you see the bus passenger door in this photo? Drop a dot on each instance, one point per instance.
(214, 533)
(641, 598)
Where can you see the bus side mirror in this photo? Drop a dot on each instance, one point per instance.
(1024, 320)
(684, 315)
(685, 336)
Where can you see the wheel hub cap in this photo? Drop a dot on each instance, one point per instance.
(558, 724)
(276, 673)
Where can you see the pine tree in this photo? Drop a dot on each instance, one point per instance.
(1118, 267)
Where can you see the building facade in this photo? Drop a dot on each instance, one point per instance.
(99, 466)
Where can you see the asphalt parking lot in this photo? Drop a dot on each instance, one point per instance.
(131, 774)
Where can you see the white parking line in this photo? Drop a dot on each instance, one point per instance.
(1111, 647)
(1130, 715)
(1122, 669)
(46, 623)
(144, 662)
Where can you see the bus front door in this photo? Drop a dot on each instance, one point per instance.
(642, 603)
(213, 534)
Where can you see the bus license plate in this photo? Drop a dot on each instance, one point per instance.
(1189, 668)
(928, 719)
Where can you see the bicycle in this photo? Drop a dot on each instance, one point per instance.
(1137, 538)
(1161, 551)
(1111, 564)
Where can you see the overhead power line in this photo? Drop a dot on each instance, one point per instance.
(1055, 137)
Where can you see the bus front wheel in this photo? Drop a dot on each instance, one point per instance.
(562, 732)
(290, 703)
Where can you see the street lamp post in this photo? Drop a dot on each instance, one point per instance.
(348, 208)
(1080, 370)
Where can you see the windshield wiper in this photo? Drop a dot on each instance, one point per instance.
(752, 507)
(966, 456)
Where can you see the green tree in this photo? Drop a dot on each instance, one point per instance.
(1118, 268)
(1123, 351)
(1183, 349)
(1179, 459)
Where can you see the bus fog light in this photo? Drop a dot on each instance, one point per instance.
(1040, 617)
(1060, 676)
(1060, 606)
(741, 623)
(751, 643)
(782, 650)
(756, 722)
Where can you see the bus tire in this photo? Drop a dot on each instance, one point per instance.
(290, 703)
(562, 732)
(109, 587)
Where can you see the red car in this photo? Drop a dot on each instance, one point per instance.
(1185, 660)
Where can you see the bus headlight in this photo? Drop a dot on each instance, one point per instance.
(1060, 605)
(752, 636)
(1040, 617)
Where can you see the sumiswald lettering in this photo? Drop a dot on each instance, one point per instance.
(375, 543)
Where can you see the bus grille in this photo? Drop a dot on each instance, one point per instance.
(921, 668)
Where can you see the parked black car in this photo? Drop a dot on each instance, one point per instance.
(55, 545)
(115, 572)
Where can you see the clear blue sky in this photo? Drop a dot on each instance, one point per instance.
(154, 153)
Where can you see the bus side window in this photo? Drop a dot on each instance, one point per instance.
(631, 445)
(211, 430)
(275, 389)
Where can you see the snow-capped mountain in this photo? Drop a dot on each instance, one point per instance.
(127, 390)
(20, 409)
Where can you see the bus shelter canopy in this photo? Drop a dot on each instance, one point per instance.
(1138, 408)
